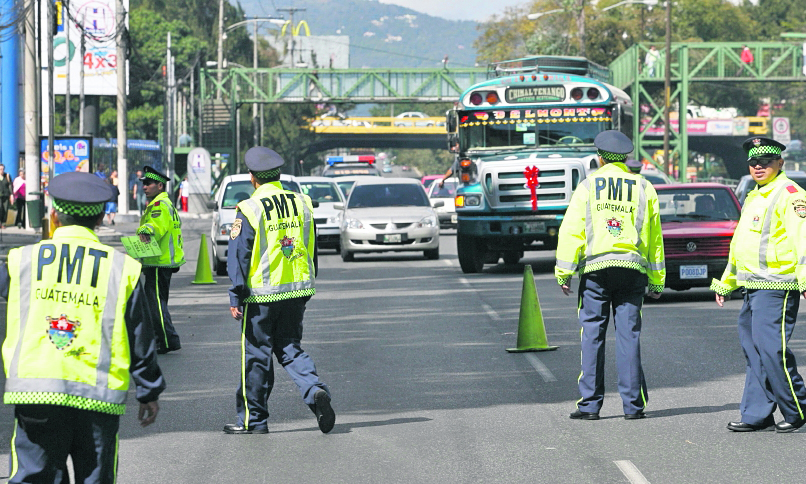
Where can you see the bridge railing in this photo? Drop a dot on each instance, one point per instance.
(709, 61)
(285, 85)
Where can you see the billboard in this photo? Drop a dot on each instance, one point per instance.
(71, 153)
(96, 18)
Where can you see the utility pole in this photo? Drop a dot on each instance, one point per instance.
(291, 11)
(66, 22)
(169, 112)
(255, 128)
(83, 52)
(31, 96)
(51, 97)
(123, 169)
(220, 46)
(667, 88)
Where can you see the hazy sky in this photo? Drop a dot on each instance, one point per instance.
(478, 10)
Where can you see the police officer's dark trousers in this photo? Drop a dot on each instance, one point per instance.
(158, 286)
(272, 328)
(622, 290)
(44, 435)
(766, 323)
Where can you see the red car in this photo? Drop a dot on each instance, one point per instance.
(698, 221)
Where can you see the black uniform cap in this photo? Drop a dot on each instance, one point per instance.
(613, 145)
(153, 174)
(760, 147)
(263, 162)
(79, 194)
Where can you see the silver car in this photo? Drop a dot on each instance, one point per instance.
(445, 194)
(388, 214)
(233, 189)
(324, 191)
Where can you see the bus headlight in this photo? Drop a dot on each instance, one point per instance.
(473, 200)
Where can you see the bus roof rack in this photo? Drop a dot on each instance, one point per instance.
(578, 66)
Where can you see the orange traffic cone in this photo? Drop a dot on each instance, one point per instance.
(531, 332)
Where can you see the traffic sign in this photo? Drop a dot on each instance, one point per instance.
(780, 130)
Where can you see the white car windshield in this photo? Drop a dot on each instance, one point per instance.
(321, 192)
(446, 191)
(391, 195)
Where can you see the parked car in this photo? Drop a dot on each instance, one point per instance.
(698, 221)
(410, 119)
(345, 183)
(445, 194)
(326, 193)
(746, 183)
(388, 214)
(655, 176)
(233, 189)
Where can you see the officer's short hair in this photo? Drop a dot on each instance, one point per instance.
(86, 221)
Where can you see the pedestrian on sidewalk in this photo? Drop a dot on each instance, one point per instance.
(184, 193)
(161, 221)
(111, 207)
(5, 194)
(272, 272)
(18, 198)
(69, 389)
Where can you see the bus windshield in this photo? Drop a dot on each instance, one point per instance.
(531, 128)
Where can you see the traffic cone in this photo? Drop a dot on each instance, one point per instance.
(203, 273)
(531, 332)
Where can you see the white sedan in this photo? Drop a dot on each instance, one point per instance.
(388, 214)
(324, 191)
(445, 194)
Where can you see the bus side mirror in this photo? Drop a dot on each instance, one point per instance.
(450, 121)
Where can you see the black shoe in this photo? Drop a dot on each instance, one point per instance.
(325, 416)
(767, 424)
(161, 350)
(580, 415)
(634, 416)
(240, 429)
(786, 427)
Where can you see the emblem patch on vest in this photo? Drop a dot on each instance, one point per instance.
(756, 220)
(287, 246)
(235, 231)
(62, 331)
(614, 226)
(800, 208)
(155, 214)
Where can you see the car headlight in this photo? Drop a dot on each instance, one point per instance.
(332, 220)
(429, 221)
(224, 229)
(352, 223)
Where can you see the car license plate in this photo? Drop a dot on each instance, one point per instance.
(693, 272)
(392, 239)
(454, 219)
(534, 227)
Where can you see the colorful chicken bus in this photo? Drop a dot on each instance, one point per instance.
(533, 116)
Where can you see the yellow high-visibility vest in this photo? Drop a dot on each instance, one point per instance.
(282, 256)
(613, 220)
(767, 249)
(161, 220)
(67, 342)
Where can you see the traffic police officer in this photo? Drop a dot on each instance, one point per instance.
(161, 220)
(78, 325)
(768, 259)
(272, 265)
(611, 235)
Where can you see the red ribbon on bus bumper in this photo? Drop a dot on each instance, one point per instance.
(532, 183)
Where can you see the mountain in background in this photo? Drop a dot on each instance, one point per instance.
(382, 35)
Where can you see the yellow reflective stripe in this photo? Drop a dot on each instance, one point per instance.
(783, 345)
(14, 463)
(159, 304)
(243, 369)
(643, 397)
(117, 450)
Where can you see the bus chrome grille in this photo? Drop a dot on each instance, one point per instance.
(505, 186)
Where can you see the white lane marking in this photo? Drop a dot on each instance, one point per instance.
(446, 261)
(464, 281)
(631, 472)
(490, 312)
(542, 369)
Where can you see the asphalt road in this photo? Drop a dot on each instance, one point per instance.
(414, 353)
